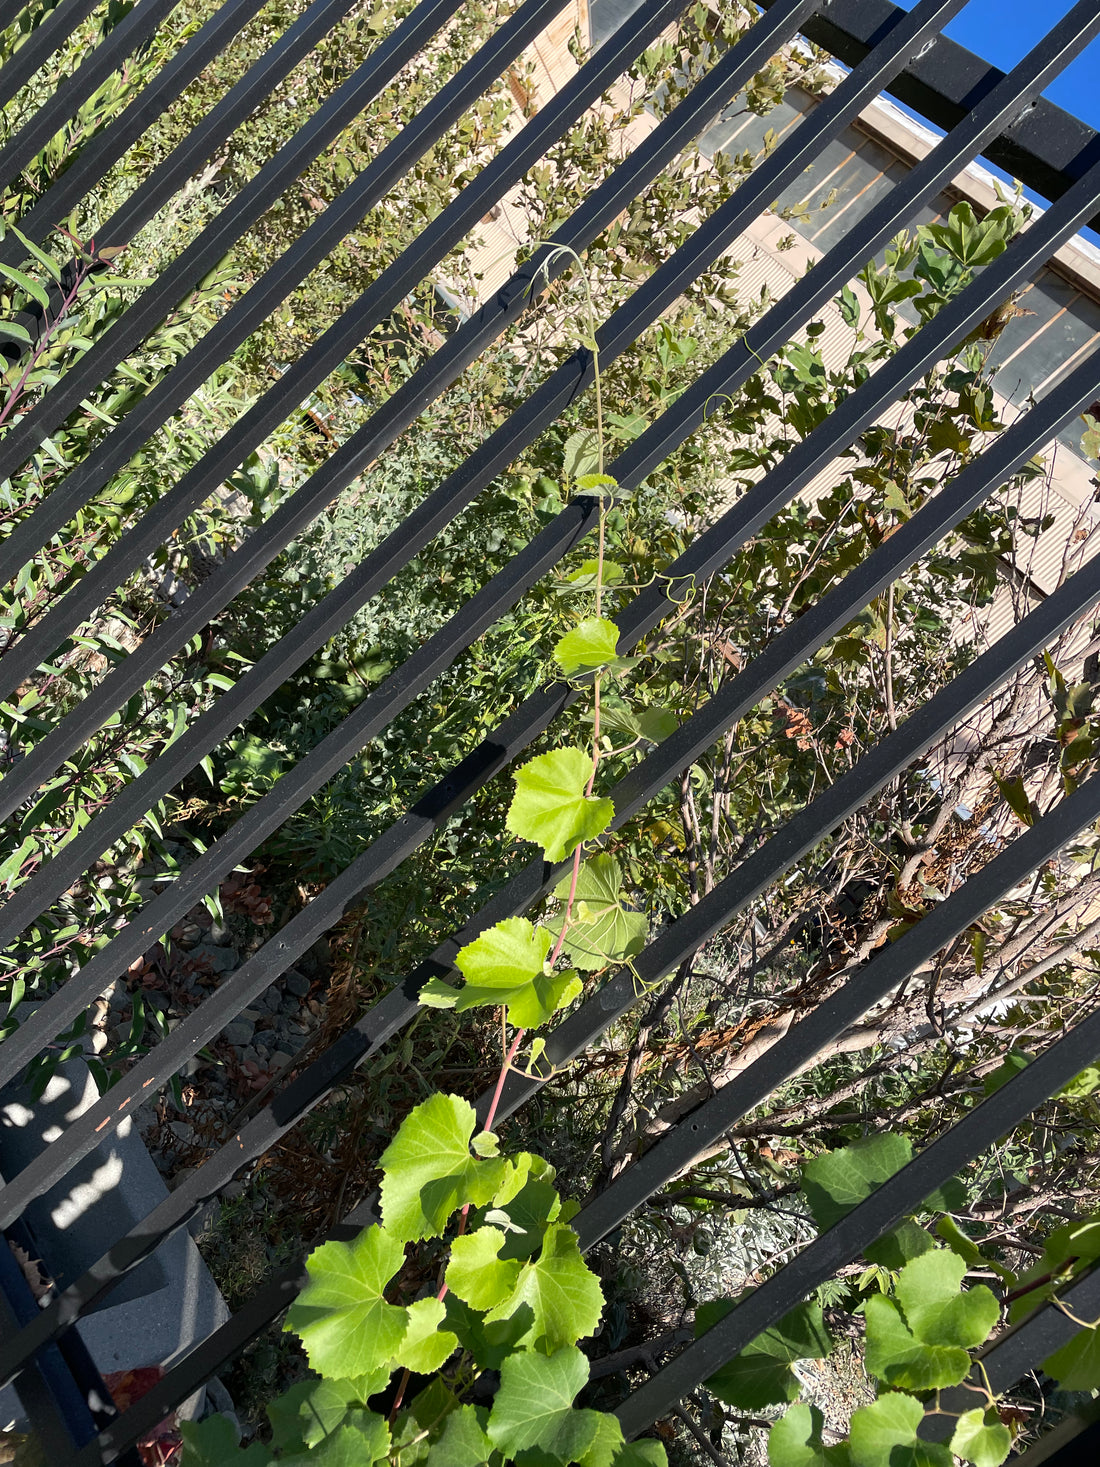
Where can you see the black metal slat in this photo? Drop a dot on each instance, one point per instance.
(203, 254)
(583, 1026)
(1047, 149)
(54, 31)
(642, 456)
(1029, 850)
(141, 23)
(1002, 1363)
(440, 507)
(884, 1209)
(710, 550)
(714, 547)
(392, 286)
(108, 146)
(10, 11)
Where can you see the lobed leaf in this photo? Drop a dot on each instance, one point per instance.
(341, 1316)
(428, 1171)
(504, 967)
(550, 806)
(886, 1432)
(533, 1409)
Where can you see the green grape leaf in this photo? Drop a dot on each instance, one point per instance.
(646, 1453)
(311, 1409)
(897, 1357)
(590, 645)
(462, 1443)
(795, 1441)
(362, 1439)
(581, 454)
(214, 1442)
(560, 1290)
(504, 968)
(587, 574)
(608, 1445)
(928, 1290)
(425, 1346)
(1076, 1366)
(489, 1344)
(600, 931)
(341, 1316)
(839, 1180)
(475, 1271)
(761, 1374)
(895, 1248)
(436, 994)
(524, 1217)
(428, 1171)
(533, 1409)
(886, 1432)
(550, 806)
(982, 1438)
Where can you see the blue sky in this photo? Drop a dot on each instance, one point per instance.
(1003, 31)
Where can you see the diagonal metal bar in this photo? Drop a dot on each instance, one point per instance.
(1003, 1362)
(111, 144)
(710, 551)
(54, 31)
(203, 254)
(880, 977)
(141, 24)
(902, 1194)
(335, 610)
(665, 953)
(173, 391)
(642, 456)
(373, 306)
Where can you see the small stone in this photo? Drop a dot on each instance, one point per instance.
(239, 1032)
(272, 1000)
(219, 934)
(250, 1055)
(280, 1060)
(294, 1042)
(181, 1131)
(220, 959)
(232, 1191)
(296, 983)
(189, 934)
(254, 1014)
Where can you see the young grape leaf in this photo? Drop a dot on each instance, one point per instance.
(550, 806)
(504, 968)
(524, 1217)
(560, 1290)
(795, 1441)
(214, 1442)
(928, 1290)
(435, 994)
(582, 453)
(982, 1438)
(896, 1356)
(608, 1445)
(428, 1171)
(1076, 1366)
(341, 1316)
(462, 1443)
(362, 1439)
(476, 1272)
(646, 1453)
(886, 1431)
(839, 1180)
(761, 1374)
(589, 646)
(600, 931)
(895, 1248)
(489, 1344)
(312, 1409)
(425, 1346)
(533, 1408)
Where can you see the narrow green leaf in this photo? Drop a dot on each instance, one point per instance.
(25, 283)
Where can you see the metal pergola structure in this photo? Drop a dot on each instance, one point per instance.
(984, 112)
